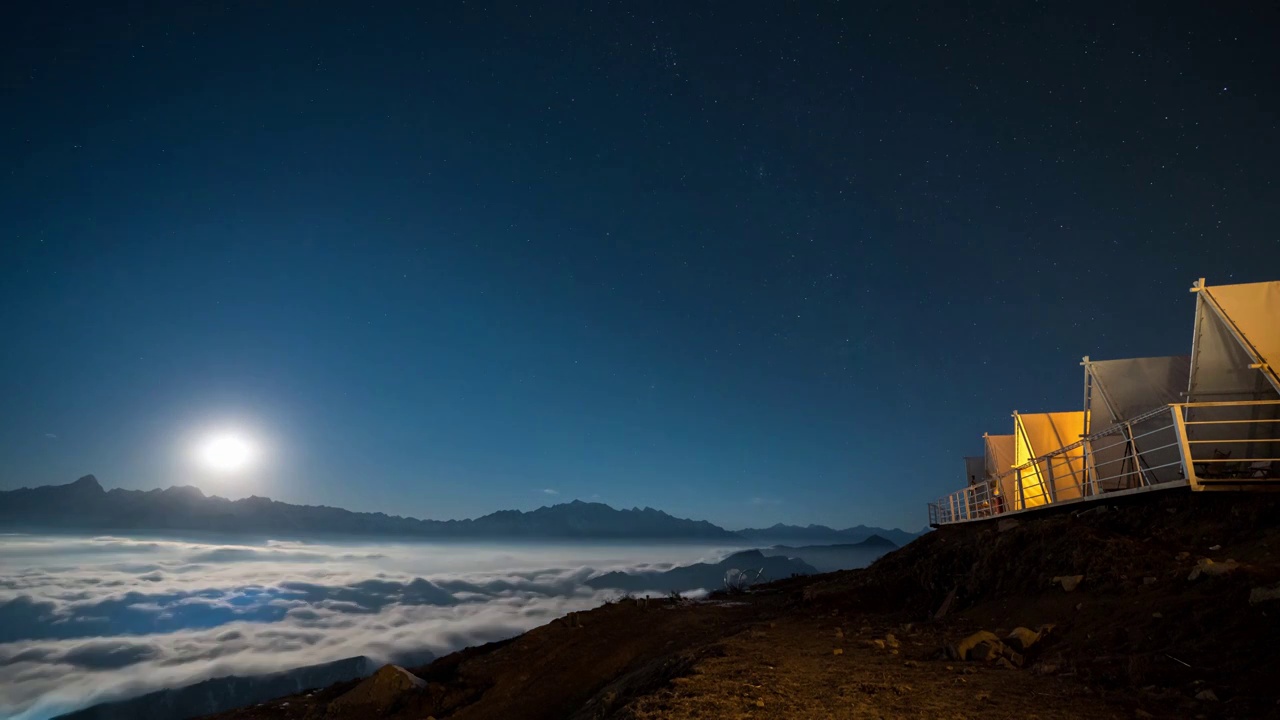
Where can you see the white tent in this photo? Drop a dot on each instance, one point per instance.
(1115, 393)
(975, 470)
(999, 460)
(1059, 478)
(1235, 352)
(1235, 356)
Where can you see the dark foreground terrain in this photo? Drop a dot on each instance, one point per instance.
(1171, 613)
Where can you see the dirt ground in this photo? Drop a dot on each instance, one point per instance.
(790, 669)
(1143, 635)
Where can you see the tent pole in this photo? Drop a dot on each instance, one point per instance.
(1088, 424)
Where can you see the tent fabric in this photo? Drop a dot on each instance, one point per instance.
(1061, 477)
(999, 454)
(1220, 372)
(1219, 363)
(1254, 310)
(1122, 390)
(975, 470)
(999, 458)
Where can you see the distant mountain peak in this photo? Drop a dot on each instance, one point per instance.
(88, 482)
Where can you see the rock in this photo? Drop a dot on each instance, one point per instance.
(1263, 594)
(1007, 524)
(1207, 696)
(985, 651)
(381, 689)
(1021, 638)
(837, 651)
(1148, 580)
(1004, 663)
(891, 641)
(1205, 566)
(1069, 582)
(877, 644)
(962, 649)
(1214, 548)
(760, 702)
(839, 633)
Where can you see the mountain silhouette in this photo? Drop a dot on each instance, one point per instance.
(706, 576)
(814, 534)
(228, 692)
(829, 558)
(85, 505)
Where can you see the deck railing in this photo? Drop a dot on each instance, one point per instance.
(1229, 445)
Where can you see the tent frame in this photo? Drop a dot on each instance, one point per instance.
(1142, 467)
(1204, 295)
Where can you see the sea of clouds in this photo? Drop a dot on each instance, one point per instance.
(89, 619)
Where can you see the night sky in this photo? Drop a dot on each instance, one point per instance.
(747, 262)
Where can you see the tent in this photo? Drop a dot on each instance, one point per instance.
(1058, 478)
(1116, 392)
(975, 470)
(999, 459)
(1235, 356)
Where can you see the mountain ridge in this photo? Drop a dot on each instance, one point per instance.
(86, 505)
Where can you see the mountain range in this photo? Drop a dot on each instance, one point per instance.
(829, 558)
(224, 693)
(85, 505)
(707, 576)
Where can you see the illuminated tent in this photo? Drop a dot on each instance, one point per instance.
(1235, 356)
(1115, 393)
(999, 460)
(1059, 478)
(975, 470)
(1235, 353)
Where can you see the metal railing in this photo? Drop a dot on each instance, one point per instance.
(1208, 445)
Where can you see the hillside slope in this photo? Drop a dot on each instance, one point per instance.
(1142, 633)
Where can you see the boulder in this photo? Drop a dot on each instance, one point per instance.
(1021, 638)
(1264, 594)
(1069, 582)
(1205, 566)
(962, 649)
(380, 690)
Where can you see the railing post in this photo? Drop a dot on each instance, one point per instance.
(1184, 447)
(1053, 488)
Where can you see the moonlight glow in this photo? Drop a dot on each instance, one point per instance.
(226, 452)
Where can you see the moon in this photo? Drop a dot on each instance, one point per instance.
(227, 452)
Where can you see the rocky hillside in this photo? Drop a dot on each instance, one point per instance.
(1162, 605)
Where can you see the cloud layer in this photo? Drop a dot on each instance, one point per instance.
(83, 620)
